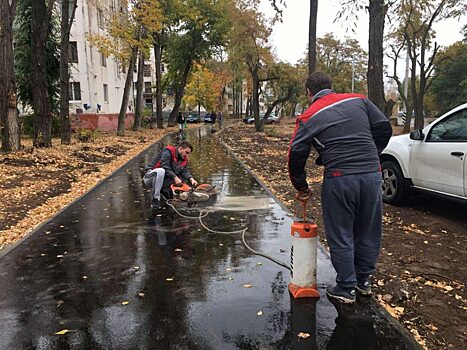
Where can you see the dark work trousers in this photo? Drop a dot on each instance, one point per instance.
(352, 211)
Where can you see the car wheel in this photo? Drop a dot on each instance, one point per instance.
(394, 184)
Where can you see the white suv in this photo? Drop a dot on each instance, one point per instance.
(431, 159)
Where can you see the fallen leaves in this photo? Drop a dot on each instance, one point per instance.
(303, 335)
(247, 286)
(62, 332)
(126, 302)
(40, 171)
(440, 285)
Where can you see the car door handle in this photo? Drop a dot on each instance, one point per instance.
(457, 154)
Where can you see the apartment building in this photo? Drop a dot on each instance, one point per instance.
(149, 88)
(97, 81)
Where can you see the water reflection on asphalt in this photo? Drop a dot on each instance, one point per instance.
(119, 276)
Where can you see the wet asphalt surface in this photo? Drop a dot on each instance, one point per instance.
(119, 276)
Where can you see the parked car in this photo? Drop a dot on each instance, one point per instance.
(272, 119)
(431, 159)
(207, 118)
(193, 118)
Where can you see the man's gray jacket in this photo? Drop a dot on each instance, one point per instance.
(348, 131)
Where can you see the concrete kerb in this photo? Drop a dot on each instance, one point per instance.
(377, 307)
(36, 229)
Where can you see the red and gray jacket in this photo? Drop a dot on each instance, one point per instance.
(170, 160)
(348, 131)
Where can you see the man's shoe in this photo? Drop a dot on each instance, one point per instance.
(364, 288)
(156, 203)
(346, 296)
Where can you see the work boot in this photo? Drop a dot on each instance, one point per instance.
(156, 203)
(364, 288)
(346, 296)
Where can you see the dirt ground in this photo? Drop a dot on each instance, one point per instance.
(36, 183)
(421, 271)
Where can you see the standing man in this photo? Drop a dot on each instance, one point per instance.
(169, 167)
(180, 121)
(349, 132)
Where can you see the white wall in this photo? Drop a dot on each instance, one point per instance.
(89, 71)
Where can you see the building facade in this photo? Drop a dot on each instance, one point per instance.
(97, 82)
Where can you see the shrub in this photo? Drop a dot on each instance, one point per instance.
(86, 135)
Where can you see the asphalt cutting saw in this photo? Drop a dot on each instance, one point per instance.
(191, 195)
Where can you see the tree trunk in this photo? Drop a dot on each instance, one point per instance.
(312, 36)
(66, 22)
(413, 90)
(40, 94)
(280, 100)
(139, 93)
(377, 11)
(241, 98)
(293, 107)
(179, 94)
(248, 107)
(419, 103)
(126, 94)
(158, 57)
(255, 99)
(8, 110)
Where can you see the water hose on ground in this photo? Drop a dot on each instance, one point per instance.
(204, 213)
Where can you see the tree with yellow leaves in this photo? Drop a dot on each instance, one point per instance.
(126, 35)
(201, 89)
(202, 26)
(249, 45)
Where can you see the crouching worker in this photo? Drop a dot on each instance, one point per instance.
(169, 167)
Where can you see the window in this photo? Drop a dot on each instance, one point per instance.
(147, 87)
(73, 52)
(74, 91)
(147, 70)
(113, 8)
(450, 129)
(106, 93)
(148, 104)
(162, 67)
(103, 60)
(100, 18)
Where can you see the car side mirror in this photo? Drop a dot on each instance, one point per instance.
(417, 135)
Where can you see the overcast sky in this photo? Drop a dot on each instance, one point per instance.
(291, 37)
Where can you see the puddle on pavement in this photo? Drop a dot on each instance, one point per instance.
(242, 203)
(120, 276)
